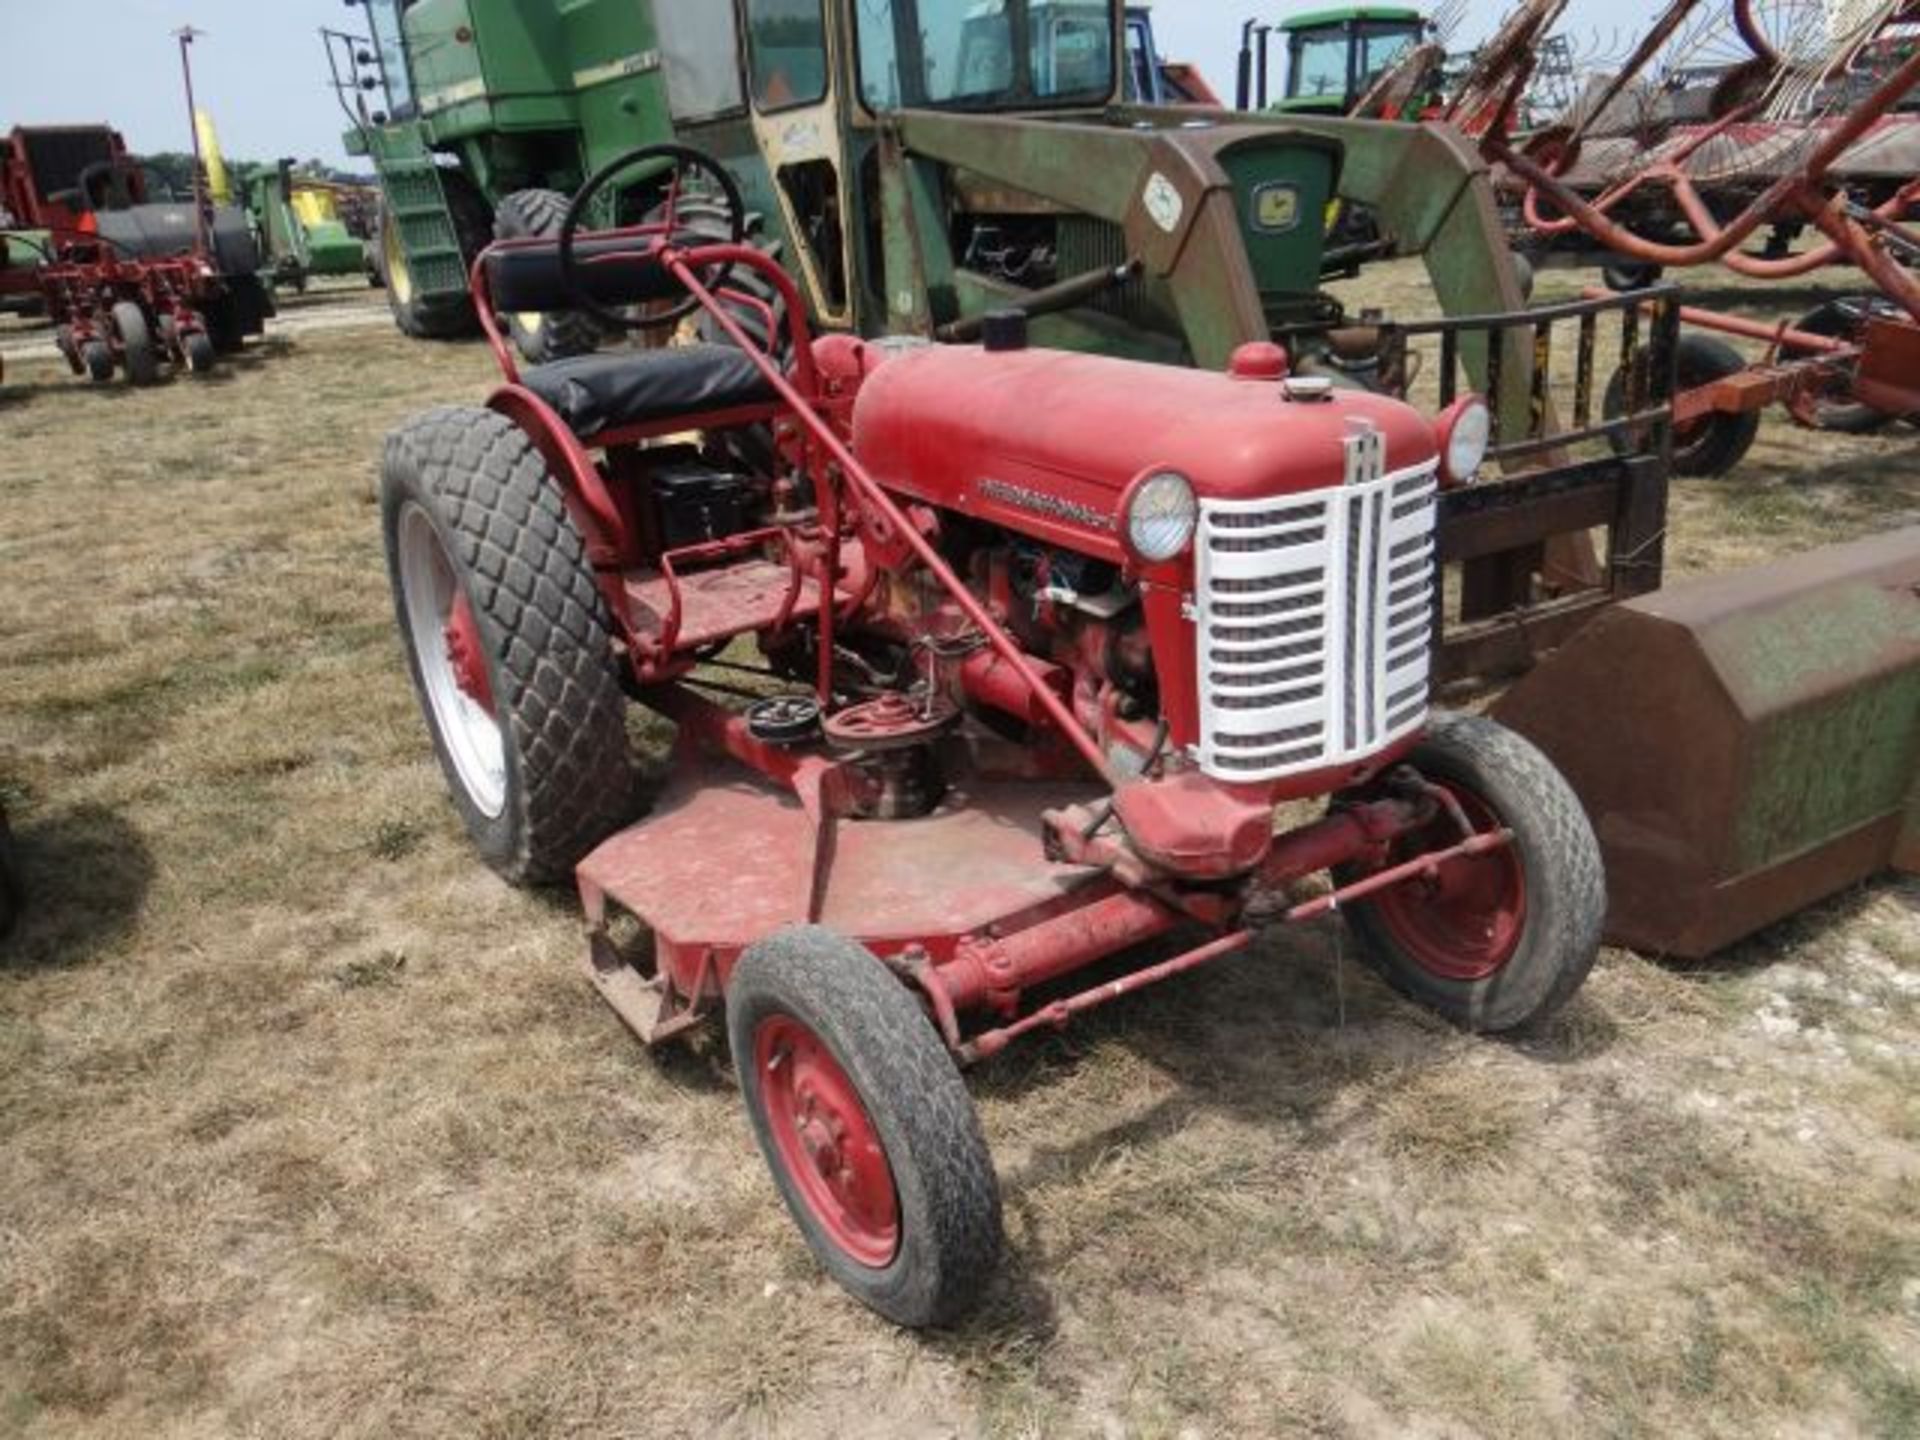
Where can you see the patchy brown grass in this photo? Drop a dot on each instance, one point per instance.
(310, 1128)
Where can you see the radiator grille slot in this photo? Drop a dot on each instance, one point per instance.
(1316, 617)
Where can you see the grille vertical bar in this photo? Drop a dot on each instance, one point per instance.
(1315, 617)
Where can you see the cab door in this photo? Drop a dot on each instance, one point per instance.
(793, 83)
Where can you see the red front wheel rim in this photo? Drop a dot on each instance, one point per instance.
(1466, 922)
(826, 1142)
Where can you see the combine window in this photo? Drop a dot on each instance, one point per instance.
(1319, 65)
(789, 40)
(986, 54)
(700, 52)
(383, 17)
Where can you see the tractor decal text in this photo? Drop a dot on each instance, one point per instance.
(1039, 503)
(474, 89)
(645, 63)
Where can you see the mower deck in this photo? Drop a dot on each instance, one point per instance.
(975, 863)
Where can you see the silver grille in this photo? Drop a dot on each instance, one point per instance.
(1315, 616)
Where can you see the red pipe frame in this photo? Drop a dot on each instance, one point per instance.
(1796, 193)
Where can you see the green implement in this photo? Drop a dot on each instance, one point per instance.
(1746, 745)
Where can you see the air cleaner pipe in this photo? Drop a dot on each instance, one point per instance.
(874, 495)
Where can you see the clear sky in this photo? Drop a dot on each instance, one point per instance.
(261, 73)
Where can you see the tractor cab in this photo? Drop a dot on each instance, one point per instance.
(1335, 56)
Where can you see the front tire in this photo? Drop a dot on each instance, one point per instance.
(866, 1125)
(508, 642)
(1829, 404)
(1500, 941)
(137, 347)
(559, 334)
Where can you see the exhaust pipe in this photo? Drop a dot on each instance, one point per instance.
(1243, 92)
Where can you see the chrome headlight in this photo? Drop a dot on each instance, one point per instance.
(1159, 516)
(1465, 434)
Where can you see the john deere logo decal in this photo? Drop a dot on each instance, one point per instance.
(1276, 208)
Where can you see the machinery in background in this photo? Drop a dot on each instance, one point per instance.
(1774, 763)
(303, 227)
(300, 223)
(1335, 58)
(133, 279)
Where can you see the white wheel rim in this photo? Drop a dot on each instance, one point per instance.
(470, 732)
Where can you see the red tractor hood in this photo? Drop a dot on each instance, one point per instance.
(1046, 441)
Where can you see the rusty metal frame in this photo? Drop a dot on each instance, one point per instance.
(1499, 530)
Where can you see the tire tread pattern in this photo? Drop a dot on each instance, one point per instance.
(546, 623)
(1567, 905)
(916, 1098)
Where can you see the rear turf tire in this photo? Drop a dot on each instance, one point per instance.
(559, 334)
(1545, 897)
(470, 512)
(809, 991)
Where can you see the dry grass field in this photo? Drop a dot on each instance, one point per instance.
(308, 1127)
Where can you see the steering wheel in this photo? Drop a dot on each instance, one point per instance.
(684, 158)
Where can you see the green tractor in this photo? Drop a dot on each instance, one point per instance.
(1334, 57)
(916, 163)
(302, 228)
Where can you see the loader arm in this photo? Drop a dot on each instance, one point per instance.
(1427, 182)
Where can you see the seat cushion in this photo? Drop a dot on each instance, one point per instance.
(596, 393)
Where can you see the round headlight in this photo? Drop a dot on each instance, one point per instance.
(1161, 515)
(1466, 432)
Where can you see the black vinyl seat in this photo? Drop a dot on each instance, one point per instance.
(598, 393)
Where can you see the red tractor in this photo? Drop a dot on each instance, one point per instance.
(132, 279)
(989, 664)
